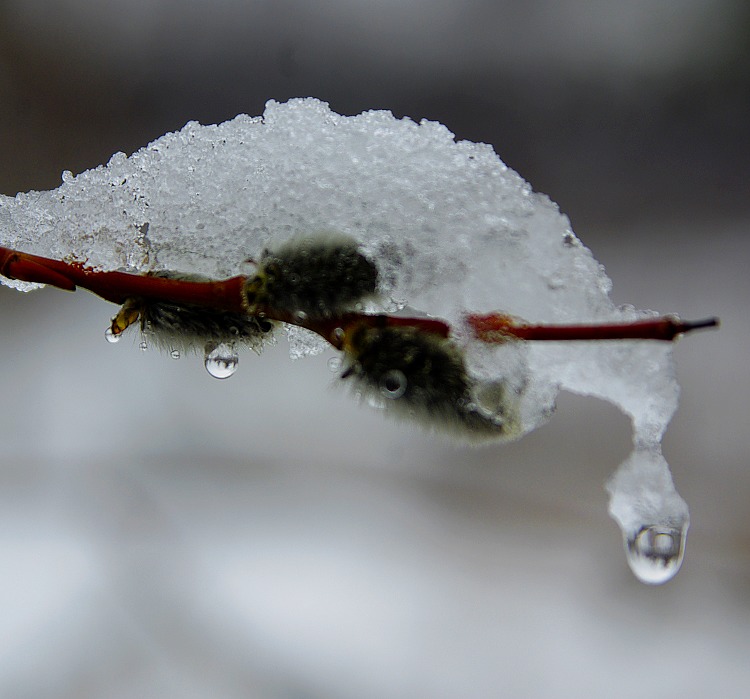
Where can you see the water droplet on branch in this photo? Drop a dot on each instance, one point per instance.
(220, 360)
(653, 518)
(111, 336)
(393, 384)
(655, 553)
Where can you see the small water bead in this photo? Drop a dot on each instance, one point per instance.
(220, 360)
(334, 364)
(175, 354)
(393, 384)
(111, 336)
(655, 553)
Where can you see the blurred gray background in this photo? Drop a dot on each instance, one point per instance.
(164, 534)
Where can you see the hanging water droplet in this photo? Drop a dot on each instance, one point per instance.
(67, 176)
(334, 364)
(393, 384)
(175, 354)
(300, 316)
(220, 360)
(653, 518)
(111, 336)
(143, 346)
(655, 553)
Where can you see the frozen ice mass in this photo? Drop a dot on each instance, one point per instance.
(451, 228)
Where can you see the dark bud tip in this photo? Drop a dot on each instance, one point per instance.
(688, 325)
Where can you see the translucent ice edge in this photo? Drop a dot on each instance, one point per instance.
(451, 227)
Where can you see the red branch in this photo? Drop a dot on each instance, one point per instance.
(499, 328)
(227, 295)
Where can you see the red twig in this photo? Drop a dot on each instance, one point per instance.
(499, 328)
(228, 295)
(225, 295)
(116, 287)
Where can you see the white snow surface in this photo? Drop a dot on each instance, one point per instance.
(451, 227)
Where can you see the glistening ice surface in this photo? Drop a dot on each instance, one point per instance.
(452, 229)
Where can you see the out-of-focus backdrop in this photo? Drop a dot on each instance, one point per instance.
(164, 534)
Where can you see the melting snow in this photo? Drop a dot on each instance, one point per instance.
(450, 226)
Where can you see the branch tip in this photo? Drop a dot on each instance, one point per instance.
(688, 325)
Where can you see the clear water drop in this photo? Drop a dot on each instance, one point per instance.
(393, 384)
(300, 316)
(334, 364)
(111, 336)
(655, 553)
(144, 345)
(653, 518)
(175, 354)
(220, 360)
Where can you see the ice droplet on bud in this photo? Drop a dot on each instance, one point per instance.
(655, 553)
(393, 384)
(111, 336)
(220, 360)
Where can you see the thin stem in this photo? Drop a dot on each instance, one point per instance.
(224, 295)
(499, 328)
(228, 295)
(117, 287)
